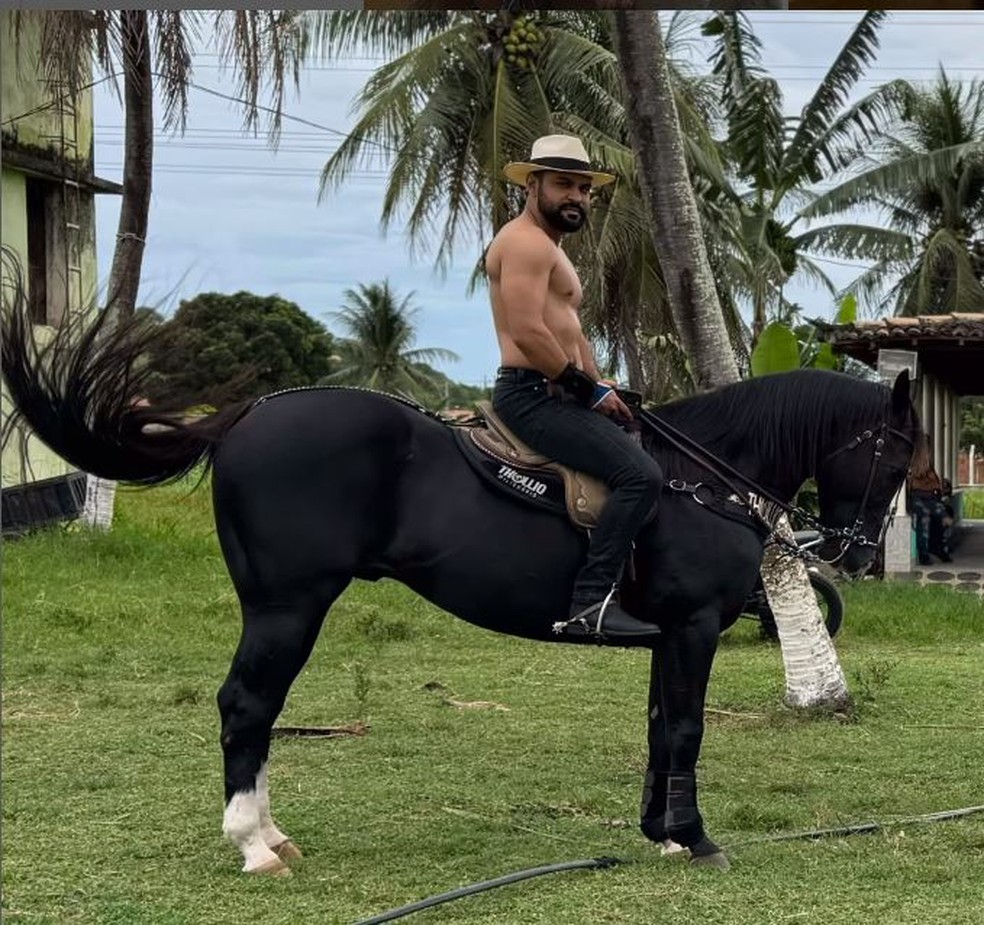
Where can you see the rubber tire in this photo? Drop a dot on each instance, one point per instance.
(827, 590)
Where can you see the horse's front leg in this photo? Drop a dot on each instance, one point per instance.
(652, 812)
(682, 667)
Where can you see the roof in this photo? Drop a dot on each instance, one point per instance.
(951, 347)
(51, 168)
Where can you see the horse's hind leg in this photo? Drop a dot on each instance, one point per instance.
(276, 641)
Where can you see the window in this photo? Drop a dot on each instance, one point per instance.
(37, 250)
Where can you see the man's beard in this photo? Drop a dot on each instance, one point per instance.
(555, 217)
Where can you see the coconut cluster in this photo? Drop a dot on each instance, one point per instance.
(522, 42)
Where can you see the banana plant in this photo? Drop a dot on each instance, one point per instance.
(783, 347)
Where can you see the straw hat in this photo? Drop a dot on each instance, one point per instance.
(556, 152)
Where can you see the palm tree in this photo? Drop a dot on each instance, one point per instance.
(677, 235)
(449, 109)
(153, 48)
(925, 175)
(813, 672)
(379, 352)
(462, 93)
(778, 161)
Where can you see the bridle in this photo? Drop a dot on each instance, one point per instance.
(848, 536)
(854, 535)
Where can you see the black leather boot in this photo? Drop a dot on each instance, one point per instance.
(604, 619)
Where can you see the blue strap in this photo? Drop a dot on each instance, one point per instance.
(601, 392)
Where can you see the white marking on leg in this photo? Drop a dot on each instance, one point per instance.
(241, 825)
(272, 836)
(671, 848)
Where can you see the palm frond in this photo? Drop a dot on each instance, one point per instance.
(869, 289)
(866, 242)
(735, 57)
(811, 271)
(830, 96)
(334, 34)
(931, 167)
(851, 134)
(173, 61)
(946, 280)
(755, 133)
(431, 355)
(262, 46)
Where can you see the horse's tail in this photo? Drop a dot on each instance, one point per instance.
(78, 393)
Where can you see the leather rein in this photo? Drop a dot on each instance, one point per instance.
(729, 475)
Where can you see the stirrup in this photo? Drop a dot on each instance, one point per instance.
(581, 619)
(590, 622)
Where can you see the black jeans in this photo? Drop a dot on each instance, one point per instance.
(590, 442)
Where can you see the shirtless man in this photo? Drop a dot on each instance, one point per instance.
(548, 389)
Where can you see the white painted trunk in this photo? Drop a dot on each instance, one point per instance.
(100, 500)
(813, 672)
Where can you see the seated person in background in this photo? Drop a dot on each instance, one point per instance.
(931, 516)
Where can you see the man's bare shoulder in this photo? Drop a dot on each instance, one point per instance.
(522, 238)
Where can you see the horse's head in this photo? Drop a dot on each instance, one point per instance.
(858, 480)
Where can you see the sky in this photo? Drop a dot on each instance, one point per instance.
(231, 213)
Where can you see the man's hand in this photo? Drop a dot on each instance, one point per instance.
(614, 407)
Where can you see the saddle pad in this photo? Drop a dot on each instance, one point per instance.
(550, 487)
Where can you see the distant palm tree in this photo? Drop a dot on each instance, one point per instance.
(379, 352)
(925, 174)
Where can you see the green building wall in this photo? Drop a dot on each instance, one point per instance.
(23, 91)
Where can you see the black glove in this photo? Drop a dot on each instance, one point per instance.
(578, 383)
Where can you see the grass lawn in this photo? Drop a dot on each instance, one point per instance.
(114, 645)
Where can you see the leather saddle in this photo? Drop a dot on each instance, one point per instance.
(503, 460)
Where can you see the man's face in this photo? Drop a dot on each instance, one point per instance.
(563, 199)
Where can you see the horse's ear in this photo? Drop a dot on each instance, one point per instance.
(900, 393)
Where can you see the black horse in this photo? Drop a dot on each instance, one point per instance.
(315, 487)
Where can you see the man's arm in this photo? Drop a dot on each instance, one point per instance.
(588, 360)
(524, 280)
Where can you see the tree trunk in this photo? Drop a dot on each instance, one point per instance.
(665, 183)
(138, 159)
(131, 234)
(813, 673)
(632, 357)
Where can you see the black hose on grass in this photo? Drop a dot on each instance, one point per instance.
(865, 828)
(587, 864)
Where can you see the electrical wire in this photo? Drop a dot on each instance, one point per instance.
(57, 101)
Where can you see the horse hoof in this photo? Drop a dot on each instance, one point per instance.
(287, 851)
(272, 868)
(670, 849)
(717, 861)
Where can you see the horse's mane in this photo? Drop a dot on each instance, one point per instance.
(787, 416)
